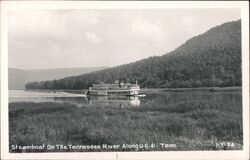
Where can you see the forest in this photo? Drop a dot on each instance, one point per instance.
(212, 59)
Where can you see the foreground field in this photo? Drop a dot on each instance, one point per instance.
(192, 125)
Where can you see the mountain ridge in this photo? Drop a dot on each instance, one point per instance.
(209, 59)
(19, 77)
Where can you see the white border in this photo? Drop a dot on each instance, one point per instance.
(239, 155)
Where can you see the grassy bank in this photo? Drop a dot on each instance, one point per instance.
(192, 125)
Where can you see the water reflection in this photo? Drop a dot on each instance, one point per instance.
(153, 99)
(168, 97)
(120, 101)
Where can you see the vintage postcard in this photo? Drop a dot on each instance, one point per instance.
(124, 80)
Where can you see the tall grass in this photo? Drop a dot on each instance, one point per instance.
(191, 125)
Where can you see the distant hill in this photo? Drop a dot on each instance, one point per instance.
(18, 78)
(209, 59)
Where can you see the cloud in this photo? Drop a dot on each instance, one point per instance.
(187, 20)
(144, 27)
(51, 24)
(78, 19)
(79, 37)
(92, 37)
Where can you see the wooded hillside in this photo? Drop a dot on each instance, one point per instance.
(210, 59)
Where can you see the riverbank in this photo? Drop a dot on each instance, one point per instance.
(145, 90)
(211, 89)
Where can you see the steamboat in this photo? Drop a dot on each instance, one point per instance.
(117, 88)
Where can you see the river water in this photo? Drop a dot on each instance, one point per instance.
(153, 98)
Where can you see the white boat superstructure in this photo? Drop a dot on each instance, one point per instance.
(121, 89)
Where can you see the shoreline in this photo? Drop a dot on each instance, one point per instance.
(211, 89)
(147, 90)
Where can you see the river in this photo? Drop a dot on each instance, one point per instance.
(154, 98)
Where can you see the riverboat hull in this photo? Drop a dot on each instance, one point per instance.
(113, 92)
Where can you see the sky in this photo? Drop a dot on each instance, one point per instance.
(42, 39)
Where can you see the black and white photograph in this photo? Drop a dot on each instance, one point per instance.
(125, 80)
